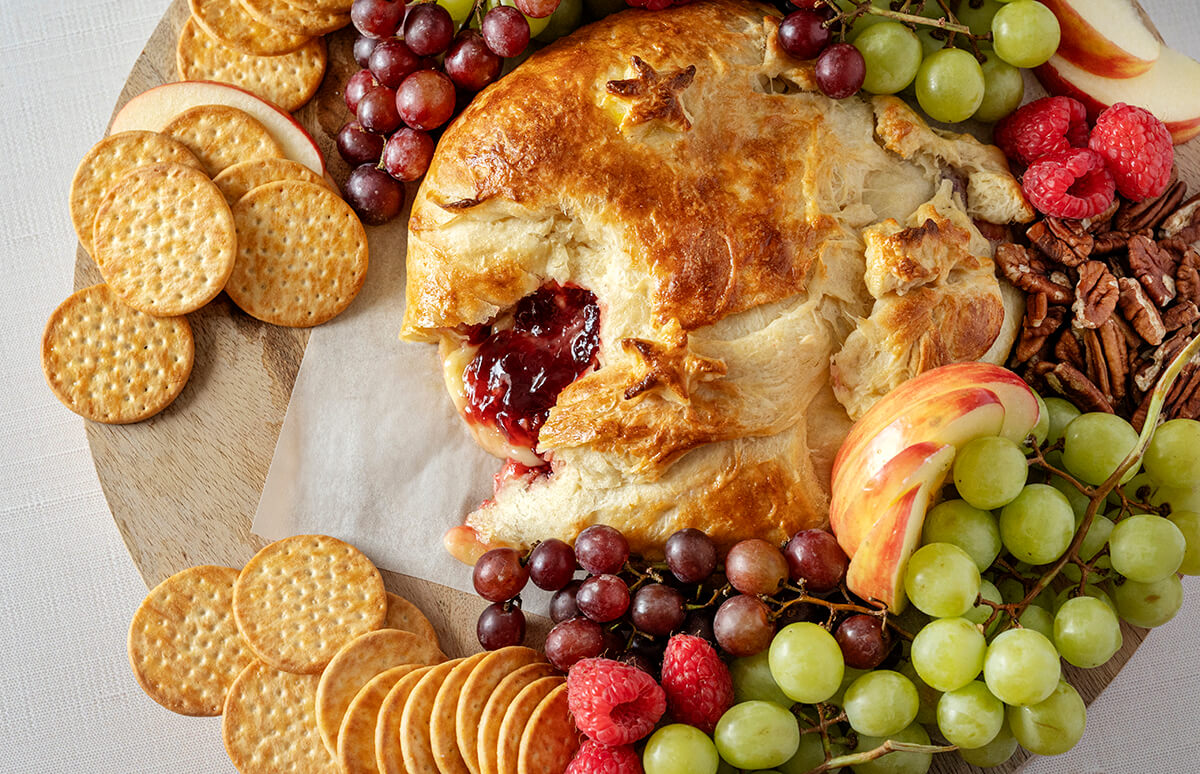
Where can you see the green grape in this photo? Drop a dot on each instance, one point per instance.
(459, 9)
(1142, 482)
(806, 662)
(1086, 632)
(1052, 726)
(1072, 572)
(881, 703)
(1146, 548)
(1178, 499)
(757, 735)
(942, 580)
(990, 472)
(1003, 90)
(962, 524)
(1090, 590)
(563, 21)
(1188, 523)
(1039, 619)
(978, 19)
(1096, 537)
(848, 677)
(809, 755)
(1038, 526)
(1021, 667)
(892, 54)
(950, 85)
(949, 653)
(981, 612)
(752, 680)
(724, 768)
(680, 749)
(930, 44)
(897, 762)
(1173, 457)
(1097, 443)
(1149, 604)
(1014, 591)
(970, 716)
(1025, 33)
(1040, 431)
(1078, 500)
(1062, 413)
(927, 712)
(995, 752)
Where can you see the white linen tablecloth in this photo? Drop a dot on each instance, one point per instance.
(68, 702)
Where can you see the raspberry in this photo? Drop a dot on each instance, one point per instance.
(699, 688)
(595, 758)
(1069, 184)
(613, 703)
(1046, 125)
(1137, 149)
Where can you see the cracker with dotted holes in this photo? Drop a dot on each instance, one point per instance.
(356, 663)
(184, 647)
(550, 738)
(302, 254)
(388, 757)
(356, 736)
(289, 17)
(516, 718)
(269, 725)
(240, 179)
(487, 742)
(300, 599)
(165, 240)
(110, 363)
(221, 136)
(228, 22)
(289, 80)
(326, 6)
(442, 736)
(415, 743)
(107, 162)
(405, 616)
(478, 687)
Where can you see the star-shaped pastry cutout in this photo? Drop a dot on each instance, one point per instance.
(670, 366)
(655, 96)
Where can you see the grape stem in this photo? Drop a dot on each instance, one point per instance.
(889, 746)
(948, 22)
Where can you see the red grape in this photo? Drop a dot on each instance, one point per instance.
(375, 195)
(691, 555)
(755, 567)
(358, 146)
(377, 18)
(428, 29)
(641, 661)
(357, 86)
(840, 70)
(814, 556)
(601, 549)
(537, 9)
(603, 598)
(407, 155)
(363, 46)
(573, 640)
(470, 63)
(552, 562)
(505, 30)
(743, 626)
(392, 62)
(377, 111)
(863, 641)
(562, 604)
(700, 624)
(500, 625)
(425, 100)
(657, 609)
(499, 575)
(803, 34)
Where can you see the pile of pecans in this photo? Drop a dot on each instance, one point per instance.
(1110, 302)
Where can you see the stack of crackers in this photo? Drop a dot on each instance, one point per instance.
(174, 218)
(316, 668)
(271, 48)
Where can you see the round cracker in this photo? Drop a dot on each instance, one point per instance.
(415, 743)
(107, 162)
(442, 736)
(228, 22)
(356, 736)
(240, 179)
(288, 81)
(550, 738)
(221, 136)
(269, 724)
(516, 718)
(302, 254)
(164, 239)
(407, 617)
(110, 363)
(289, 17)
(487, 675)
(184, 646)
(388, 757)
(300, 599)
(327, 6)
(355, 664)
(488, 736)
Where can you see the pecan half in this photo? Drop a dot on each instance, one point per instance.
(1063, 241)
(1116, 358)
(1095, 296)
(1102, 222)
(1153, 268)
(1187, 277)
(1110, 242)
(1140, 312)
(1071, 382)
(1026, 269)
(1035, 334)
(1185, 401)
(1145, 377)
(1068, 350)
(1181, 314)
(1097, 368)
(1135, 216)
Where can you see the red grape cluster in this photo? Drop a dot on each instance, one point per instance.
(806, 34)
(626, 607)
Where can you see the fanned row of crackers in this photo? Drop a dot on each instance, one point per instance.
(316, 668)
(172, 218)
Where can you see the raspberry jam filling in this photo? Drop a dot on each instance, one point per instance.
(518, 372)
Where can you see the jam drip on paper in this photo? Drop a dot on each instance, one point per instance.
(518, 372)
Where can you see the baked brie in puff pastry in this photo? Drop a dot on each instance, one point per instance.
(665, 274)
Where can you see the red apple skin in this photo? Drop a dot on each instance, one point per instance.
(1083, 46)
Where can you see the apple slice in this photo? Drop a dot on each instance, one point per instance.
(1105, 37)
(1168, 90)
(152, 110)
